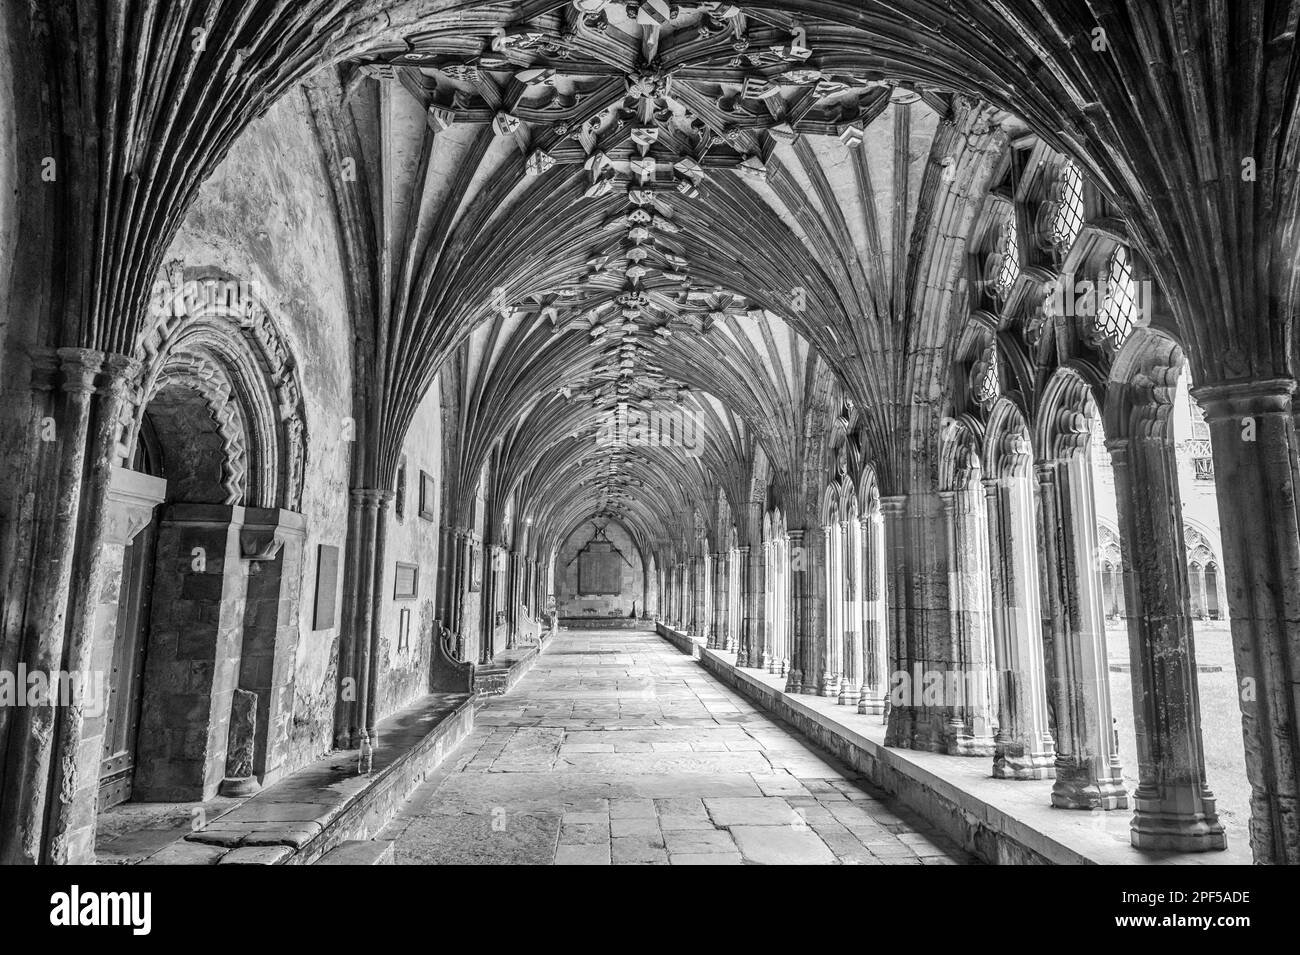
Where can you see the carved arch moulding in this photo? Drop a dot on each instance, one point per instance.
(215, 334)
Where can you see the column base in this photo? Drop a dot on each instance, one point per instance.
(829, 686)
(912, 727)
(794, 681)
(964, 744)
(869, 705)
(1178, 834)
(1022, 765)
(1158, 826)
(1079, 787)
(239, 786)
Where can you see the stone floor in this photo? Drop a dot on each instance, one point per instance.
(616, 748)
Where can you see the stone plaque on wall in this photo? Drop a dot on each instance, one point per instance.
(599, 570)
(405, 581)
(327, 578)
(428, 496)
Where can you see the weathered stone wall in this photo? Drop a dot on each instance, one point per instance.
(266, 216)
(8, 175)
(631, 582)
(404, 671)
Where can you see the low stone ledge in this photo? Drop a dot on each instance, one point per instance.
(597, 622)
(326, 804)
(506, 669)
(1000, 821)
(681, 640)
(360, 852)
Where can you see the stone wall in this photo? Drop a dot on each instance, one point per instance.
(631, 578)
(411, 539)
(265, 216)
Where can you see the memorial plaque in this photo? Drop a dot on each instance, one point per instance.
(327, 579)
(599, 570)
(405, 581)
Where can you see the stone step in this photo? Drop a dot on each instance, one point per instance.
(359, 852)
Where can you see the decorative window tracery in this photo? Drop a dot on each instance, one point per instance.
(1118, 306)
(1068, 222)
(1198, 446)
(990, 385)
(1009, 265)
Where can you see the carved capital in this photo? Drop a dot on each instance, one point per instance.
(120, 371)
(1246, 399)
(80, 367)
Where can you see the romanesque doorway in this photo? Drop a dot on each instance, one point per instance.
(181, 445)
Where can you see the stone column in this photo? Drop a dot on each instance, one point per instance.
(767, 581)
(71, 833)
(828, 683)
(1174, 807)
(675, 608)
(645, 587)
(795, 636)
(1023, 746)
(717, 601)
(695, 623)
(1257, 472)
(722, 613)
(516, 591)
(32, 732)
(667, 575)
(894, 528)
(357, 617)
(851, 668)
(812, 621)
(751, 607)
(970, 726)
(1088, 772)
(919, 557)
(871, 696)
(368, 658)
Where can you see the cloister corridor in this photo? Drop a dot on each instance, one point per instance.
(617, 748)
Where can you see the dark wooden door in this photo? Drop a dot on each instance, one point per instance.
(126, 678)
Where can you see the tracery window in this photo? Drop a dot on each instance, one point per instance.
(990, 385)
(1068, 221)
(1198, 446)
(1009, 266)
(1118, 306)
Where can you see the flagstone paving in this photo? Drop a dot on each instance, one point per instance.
(618, 749)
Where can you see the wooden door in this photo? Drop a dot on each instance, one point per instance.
(126, 678)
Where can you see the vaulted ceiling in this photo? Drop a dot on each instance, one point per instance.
(631, 175)
(602, 221)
